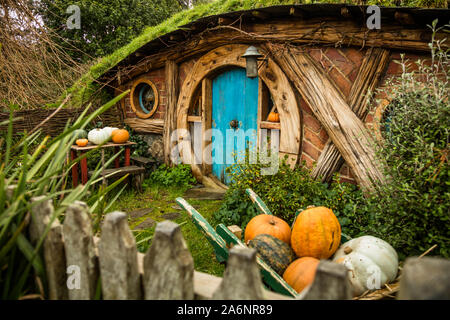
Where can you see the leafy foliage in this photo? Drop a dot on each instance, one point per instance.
(285, 192)
(412, 211)
(29, 167)
(179, 176)
(106, 25)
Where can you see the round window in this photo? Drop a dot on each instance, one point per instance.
(144, 98)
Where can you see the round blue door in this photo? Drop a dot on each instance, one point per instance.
(234, 119)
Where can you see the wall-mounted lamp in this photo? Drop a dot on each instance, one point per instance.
(251, 56)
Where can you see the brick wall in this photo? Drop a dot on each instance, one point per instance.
(158, 78)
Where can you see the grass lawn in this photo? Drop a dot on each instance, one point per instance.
(162, 201)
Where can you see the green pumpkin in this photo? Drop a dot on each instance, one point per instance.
(276, 253)
(80, 134)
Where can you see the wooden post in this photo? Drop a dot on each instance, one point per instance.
(84, 169)
(127, 156)
(171, 70)
(118, 259)
(369, 74)
(73, 156)
(343, 126)
(168, 265)
(117, 159)
(330, 283)
(53, 247)
(80, 250)
(206, 126)
(241, 280)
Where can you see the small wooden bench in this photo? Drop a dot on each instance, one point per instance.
(142, 161)
(135, 171)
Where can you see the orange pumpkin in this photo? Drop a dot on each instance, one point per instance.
(273, 117)
(301, 273)
(82, 142)
(268, 224)
(316, 233)
(120, 136)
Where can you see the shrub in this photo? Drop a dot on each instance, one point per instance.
(412, 210)
(287, 191)
(179, 176)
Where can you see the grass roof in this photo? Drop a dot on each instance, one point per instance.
(85, 86)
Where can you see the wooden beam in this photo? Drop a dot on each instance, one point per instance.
(224, 21)
(146, 125)
(194, 119)
(206, 126)
(404, 18)
(270, 125)
(170, 120)
(344, 32)
(370, 72)
(345, 129)
(260, 15)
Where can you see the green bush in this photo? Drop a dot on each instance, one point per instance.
(412, 212)
(287, 191)
(179, 176)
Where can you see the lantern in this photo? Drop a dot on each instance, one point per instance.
(251, 56)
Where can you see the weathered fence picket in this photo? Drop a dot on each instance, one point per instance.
(80, 250)
(53, 246)
(117, 250)
(168, 265)
(166, 271)
(241, 280)
(330, 283)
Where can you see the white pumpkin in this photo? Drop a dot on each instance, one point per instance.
(109, 130)
(371, 262)
(98, 136)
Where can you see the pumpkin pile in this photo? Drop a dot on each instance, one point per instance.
(316, 234)
(99, 136)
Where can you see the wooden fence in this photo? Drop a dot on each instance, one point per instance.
(74, 258)
(30, 119)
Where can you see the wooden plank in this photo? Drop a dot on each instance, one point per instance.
(121, 171)
(219, 245)
(118, 259)
(260, 205)
(146, 125)
(236, 230)
(80, 250)
(270, 125)
(241, 280)
(345, 129)
(142, 160)
(106, 145)
(206, 126)
(369, 74)
(206, 284)
(170, 121)
(168, 265)
(194, 119)
(271, 278)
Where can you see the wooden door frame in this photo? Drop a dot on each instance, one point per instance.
(272, 76)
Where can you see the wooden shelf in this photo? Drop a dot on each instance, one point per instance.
(270, 125)
(106, 145)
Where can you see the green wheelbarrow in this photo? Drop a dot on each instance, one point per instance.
(222, 239)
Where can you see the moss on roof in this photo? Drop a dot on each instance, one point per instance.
(85, 86)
